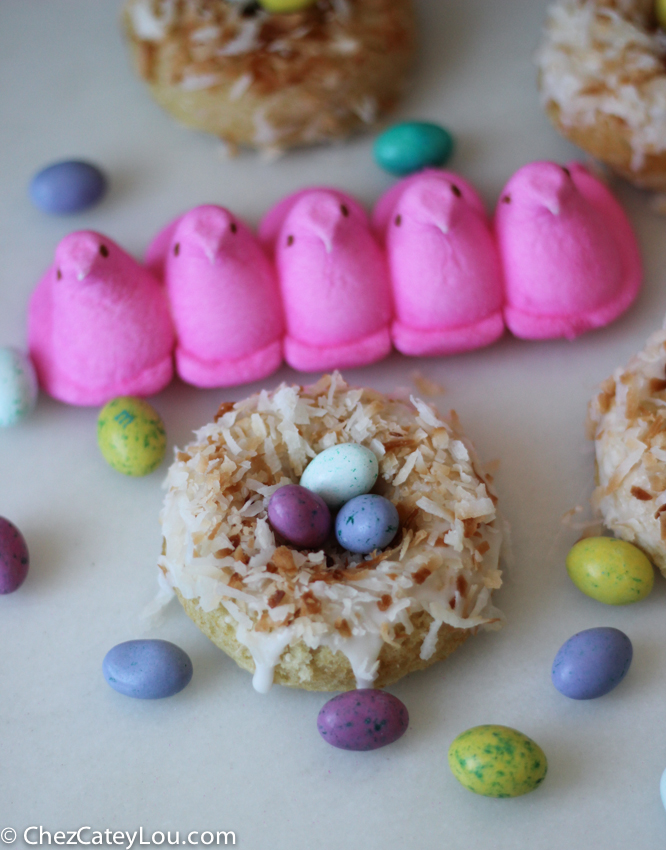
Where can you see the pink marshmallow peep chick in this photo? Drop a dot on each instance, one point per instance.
(333, 279)
(571, 261)
(444, 265)
(224, 298)
(99, 324)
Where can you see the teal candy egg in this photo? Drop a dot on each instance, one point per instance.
(18, 386)
(411, 146)
(340, 473)
(131, 435)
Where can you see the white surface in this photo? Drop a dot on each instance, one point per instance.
(218, 756)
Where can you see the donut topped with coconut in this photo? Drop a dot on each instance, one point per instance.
(327, 618)
(627, 421)
(276, 73)
(602, 78)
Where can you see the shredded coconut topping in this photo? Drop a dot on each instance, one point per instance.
(220, 549)
(605, 57)
(627, 420)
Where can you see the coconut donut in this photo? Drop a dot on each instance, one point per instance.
(627, 421)
(602, 79)
(272, 81)
(329, 619)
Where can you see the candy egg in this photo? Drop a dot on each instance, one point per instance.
(660, 12)
(18, 386)
(340, 473)
(366, 523)
(411, 146)
(131, 435)
(497, 761)
(67, 187)
(299, 515)
(14, 558)
(285, 7)
(592, 663)
(609, 570)
(147, 669)
(662, 789)
(364, 719)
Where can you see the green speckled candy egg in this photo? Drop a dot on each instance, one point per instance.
(497, 761)
(131, 435)
(609, 570)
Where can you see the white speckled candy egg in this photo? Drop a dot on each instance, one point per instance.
(341, 473)
(18, 386)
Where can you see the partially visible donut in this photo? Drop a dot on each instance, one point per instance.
(328, 619)
(272, 80)
(602, 78)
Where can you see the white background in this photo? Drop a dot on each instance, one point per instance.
(219, 756)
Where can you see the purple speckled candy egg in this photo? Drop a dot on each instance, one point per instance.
(362, 720)
(299, 515)
(14, 558)
(592, 663)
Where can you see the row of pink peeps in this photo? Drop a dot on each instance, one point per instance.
(324, 287)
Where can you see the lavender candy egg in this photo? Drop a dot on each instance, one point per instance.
(367, 523)
(300, 516)
(14, 558)
(362, 720)
(147, 669)
(592, 663)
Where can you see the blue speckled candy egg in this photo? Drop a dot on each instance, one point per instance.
(411, 146)
(14, 558)
(366, 523)
(147, 669)
(18, 386)
(362, 720)
(662, 789)
(592, 663)
(70, 186)
(300, 516)
(340, 473)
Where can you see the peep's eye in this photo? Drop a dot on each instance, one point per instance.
(233, 227)
(176, 249)
(456, 191)
(506, 199)
(104, 251)
(344, 210)
(566, 171)
(398, 220)
(59, 274)
(290, 240)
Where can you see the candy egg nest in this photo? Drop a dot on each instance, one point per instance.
(328, 619)
(627, 421)
(603, 83)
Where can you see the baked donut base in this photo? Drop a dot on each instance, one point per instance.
(321, 669)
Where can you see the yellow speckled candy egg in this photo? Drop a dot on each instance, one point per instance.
(660, 12)
(609, 570)
(131, 435)
(497, 761)
(285, 7)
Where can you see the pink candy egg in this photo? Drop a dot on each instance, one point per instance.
(300, 516)
(14, 559)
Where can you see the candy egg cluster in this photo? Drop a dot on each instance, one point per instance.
(339, 477)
